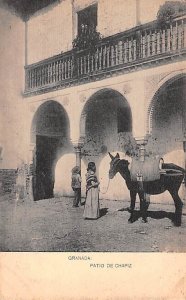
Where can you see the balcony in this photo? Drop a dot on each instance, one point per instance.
(141, 46)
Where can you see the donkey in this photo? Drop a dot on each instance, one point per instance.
(170, 181)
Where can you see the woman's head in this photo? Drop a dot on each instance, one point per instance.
(91, 166)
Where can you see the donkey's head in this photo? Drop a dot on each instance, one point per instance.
(116, 164)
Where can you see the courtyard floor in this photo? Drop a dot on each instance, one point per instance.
(54, 225)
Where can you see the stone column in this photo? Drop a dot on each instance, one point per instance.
(31, 172)
(78, 155)
(141, 143)
(77, 149)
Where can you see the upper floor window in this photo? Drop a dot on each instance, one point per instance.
(87, 20)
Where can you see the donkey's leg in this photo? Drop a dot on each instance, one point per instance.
(143, 205)
(178, 207)
(132, 205)
(132, 201)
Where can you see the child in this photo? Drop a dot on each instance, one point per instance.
(76, 186)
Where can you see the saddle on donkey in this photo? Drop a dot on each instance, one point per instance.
(152, 168)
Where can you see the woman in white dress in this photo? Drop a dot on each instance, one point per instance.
(92, 208)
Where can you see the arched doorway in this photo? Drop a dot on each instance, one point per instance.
(167, 124)
(167, 116)
(106, 126)
(50, 133)
(105, 116)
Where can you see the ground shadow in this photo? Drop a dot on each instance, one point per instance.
(161, 215)
(103, 212)
(151, 214)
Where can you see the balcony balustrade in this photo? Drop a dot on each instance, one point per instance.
(142, 45)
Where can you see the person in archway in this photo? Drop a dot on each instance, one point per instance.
(92, 208)
(76, 185)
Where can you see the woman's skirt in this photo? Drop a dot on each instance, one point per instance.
(91, 210)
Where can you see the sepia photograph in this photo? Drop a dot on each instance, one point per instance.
(93, 130)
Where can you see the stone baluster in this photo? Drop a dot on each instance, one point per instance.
(168, 38)
(62, 70)
(183, 33)
(108, 56)
(158, 42)
(39, 76)
(43, 75)
(171, 37)
(127, 50)
(57, 71)
(85, 64)
(49, 73)
(120, 59)
(177, 35)
(132, 48)
(92, 63)
(155, 42)
(146, 44)
(54, 72)
(112, 55)
(27, 80)
(150, 42)
(100, 51)
(46, 74)
(163, 41)
(124, 52)
(81, 65)
(29, 84)
(96, 60)
(116, 52)
(69, 67)
(104, 56)
(34, 78)
(88, 63)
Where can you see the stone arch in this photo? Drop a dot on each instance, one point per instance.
(166, 116)
(106, 92)
(50, 131)
(167, 80)
(105, 125)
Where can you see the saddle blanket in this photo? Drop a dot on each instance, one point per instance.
(149, 169)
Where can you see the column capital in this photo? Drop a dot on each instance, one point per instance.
(141, 140)
(78, 143)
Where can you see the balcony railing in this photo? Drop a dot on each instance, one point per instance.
(121, 52)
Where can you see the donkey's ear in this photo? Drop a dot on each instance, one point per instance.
(111, 156)
(117, 155)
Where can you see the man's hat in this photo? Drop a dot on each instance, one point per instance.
(76, 170)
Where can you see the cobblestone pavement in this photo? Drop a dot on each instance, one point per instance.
(54, 225)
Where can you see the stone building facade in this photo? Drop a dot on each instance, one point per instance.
(61, 107)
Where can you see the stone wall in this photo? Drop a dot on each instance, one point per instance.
(7, 181)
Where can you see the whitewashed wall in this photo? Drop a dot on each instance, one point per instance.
(11, 87)
(52, 29)
(50, 32)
